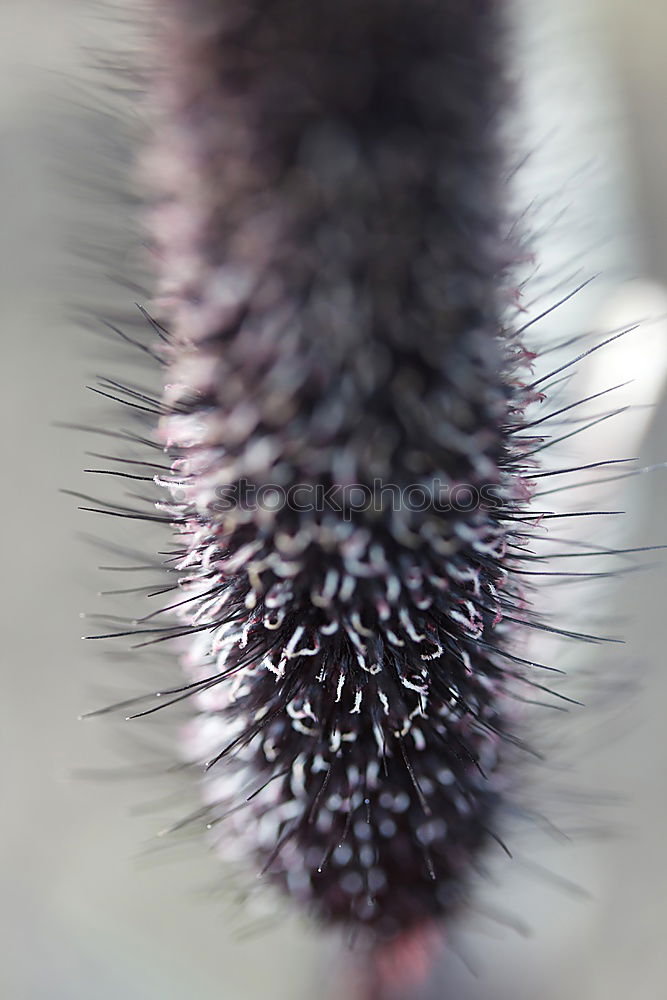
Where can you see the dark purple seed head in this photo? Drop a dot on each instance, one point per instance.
(343, 395)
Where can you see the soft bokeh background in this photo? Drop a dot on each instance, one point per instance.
(88, 907)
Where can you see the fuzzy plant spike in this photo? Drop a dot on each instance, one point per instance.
(336, 276)
(350, 456)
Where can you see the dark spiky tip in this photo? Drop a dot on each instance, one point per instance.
(336, 280)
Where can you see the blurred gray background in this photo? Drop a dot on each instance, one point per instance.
(89, 908)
